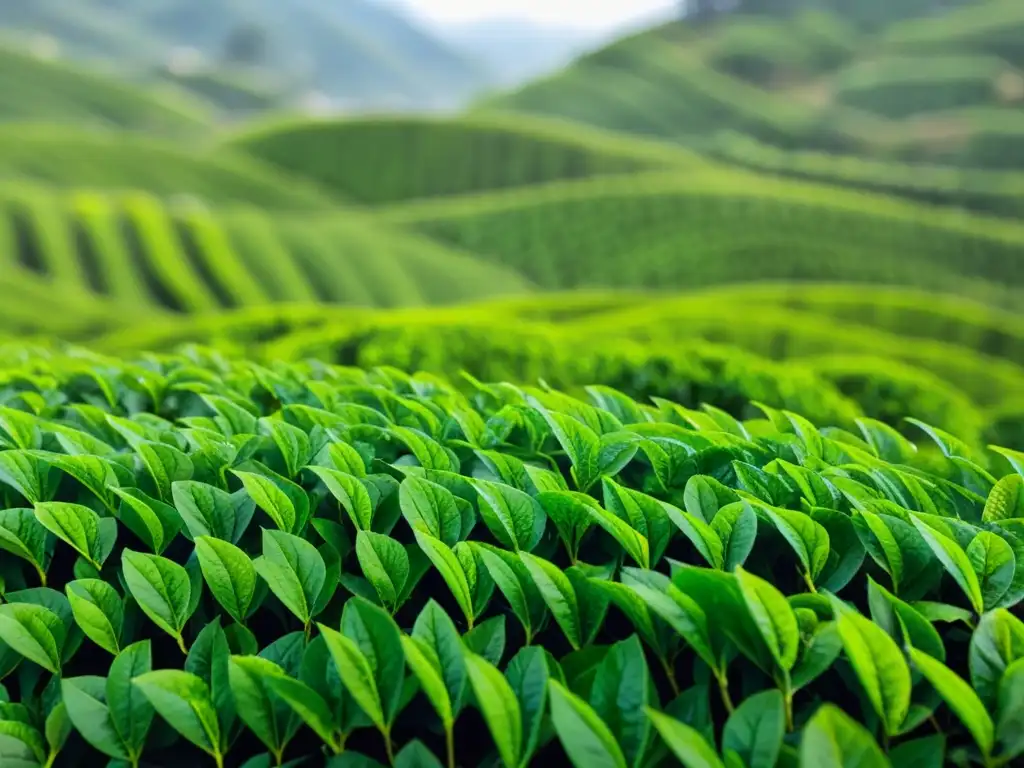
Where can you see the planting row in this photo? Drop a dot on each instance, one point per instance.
(703, 229)
(186, 258)
(291, 559)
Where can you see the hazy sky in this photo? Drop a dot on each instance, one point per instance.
(591, 14)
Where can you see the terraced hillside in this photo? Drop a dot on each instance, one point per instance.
(714, 227)
(39, 90)
(892, 352)
(941, 90)
(385, 160)
(137, 250)
(68, 158)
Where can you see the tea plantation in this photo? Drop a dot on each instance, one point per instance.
(268, 563)
(666, 411)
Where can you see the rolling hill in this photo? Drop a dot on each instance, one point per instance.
(34, 89)
(385, 160)
(944, 89)
(64, 157)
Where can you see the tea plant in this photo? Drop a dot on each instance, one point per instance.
(304, 562)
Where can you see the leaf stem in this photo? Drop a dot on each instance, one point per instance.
(670, 673)
(181, 643)
(278, 755)
(723, 689)
(809, 582)
(389, 748)
(218, 758)
(42, 574)
(449, 738)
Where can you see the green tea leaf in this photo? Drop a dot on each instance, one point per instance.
(292, 442)
(499, 706)
(98, 610)
(1006, 500)
(773, 617)
(820, 654)
(162, 589)
(644, 514)
(686, 743)
(569, 512)
(351, 493)
(27, 474)
(622, 689)
(130, 713)
(846, 551)
(528, 673)
(960, 697)
(701, 535)
(832, 738)
(85, 699)
(451, 570)
(294, 570)
(209, 511)
(676, 608)
(154, 522)
(558, 593)
(35, 632)
(878, 663)
(428, 452)
(265, 713)
(631, 540)
(954, 560)
(515, 519)
(587, 740)
(1010, 721)
(755, 729)
(997, 642)
(229, 573)
(385, 564)
(416, 755)
(808, 539)
(436, 631)
(86, 532)
(515, 583)
(735, 524)
(22, 535)
(994, 564)
(166, 465)
(356, 673)
(704, 496)
(308, 705)
(93, 472)
(901, 620)
(272, 500)
(183, 700)
(433, 507)
(379, 641)
(580, 443)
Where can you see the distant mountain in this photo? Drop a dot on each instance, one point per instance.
(360, 54)
(516, 49)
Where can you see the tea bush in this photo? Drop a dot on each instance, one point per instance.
(284, 561)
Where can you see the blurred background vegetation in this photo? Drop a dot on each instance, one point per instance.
(818, 204)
